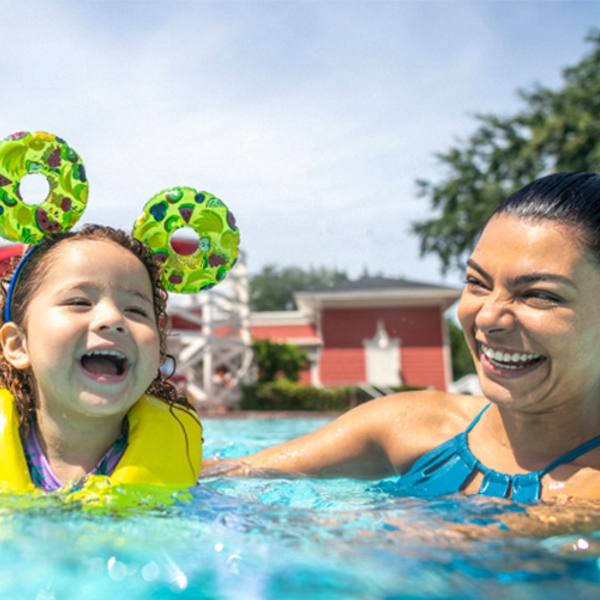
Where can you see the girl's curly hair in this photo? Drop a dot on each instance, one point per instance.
(19, 381)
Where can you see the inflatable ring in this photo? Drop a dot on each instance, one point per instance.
(25, 153)
(212, 222)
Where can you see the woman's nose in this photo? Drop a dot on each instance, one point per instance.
(495, 314)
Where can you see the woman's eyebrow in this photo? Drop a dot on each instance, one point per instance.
(471, 263)
(529, 278)
(552, 277)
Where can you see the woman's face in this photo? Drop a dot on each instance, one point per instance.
(530, 311)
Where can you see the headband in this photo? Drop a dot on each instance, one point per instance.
(204, 265)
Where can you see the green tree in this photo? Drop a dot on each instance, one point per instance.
(556, 130)
(275, 360)
(462, 361)
(273, 288)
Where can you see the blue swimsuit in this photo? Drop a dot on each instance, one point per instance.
(445, 470)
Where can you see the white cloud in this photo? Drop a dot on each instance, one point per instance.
(310, 119)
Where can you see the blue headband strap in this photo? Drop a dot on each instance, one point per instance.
(13, 282)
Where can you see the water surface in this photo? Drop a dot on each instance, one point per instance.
(294, 539)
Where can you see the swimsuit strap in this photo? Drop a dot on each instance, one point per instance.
(446, 469)
(572, 455)
(564, 459)
(41, 472)
(524, 487)
(476, 419)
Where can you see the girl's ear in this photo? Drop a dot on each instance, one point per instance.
(14, 345)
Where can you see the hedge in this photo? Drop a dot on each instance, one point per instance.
(286, 395)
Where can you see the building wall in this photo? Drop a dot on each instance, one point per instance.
(281, 333)
(421, 343)
(342, 366)
(343, 330)
(424, 367)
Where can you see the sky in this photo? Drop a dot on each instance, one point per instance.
(311, 120)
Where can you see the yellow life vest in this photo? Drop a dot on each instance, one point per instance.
(164, 446)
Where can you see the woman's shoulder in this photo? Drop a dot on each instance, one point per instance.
(577, 479)
(410, 424)
(428, 407)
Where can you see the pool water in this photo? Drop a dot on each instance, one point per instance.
(264, 539)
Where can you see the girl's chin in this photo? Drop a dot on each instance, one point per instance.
(103, 405)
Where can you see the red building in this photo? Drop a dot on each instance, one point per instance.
(375, 331)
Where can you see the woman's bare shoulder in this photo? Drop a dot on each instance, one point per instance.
(412, 423)
(428, 407)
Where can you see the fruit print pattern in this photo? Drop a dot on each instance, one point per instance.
(25, 153)
(209, 218)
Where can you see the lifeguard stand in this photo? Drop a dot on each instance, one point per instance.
(211, 340)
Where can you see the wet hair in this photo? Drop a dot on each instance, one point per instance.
(20, 381)
(571, 199)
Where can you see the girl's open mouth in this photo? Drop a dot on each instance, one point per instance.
(104, 363)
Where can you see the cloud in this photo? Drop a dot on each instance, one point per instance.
(310, 119)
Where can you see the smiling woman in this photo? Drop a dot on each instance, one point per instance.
(530, 312)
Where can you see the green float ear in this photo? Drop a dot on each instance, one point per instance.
(208, 219)
(27, 153)
(204, 215)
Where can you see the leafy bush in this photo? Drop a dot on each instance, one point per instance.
(274, 360)
(286, 395)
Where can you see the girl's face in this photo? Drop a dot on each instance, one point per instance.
(531, 315)
(89, 333)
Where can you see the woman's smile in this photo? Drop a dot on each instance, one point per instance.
(508, 363)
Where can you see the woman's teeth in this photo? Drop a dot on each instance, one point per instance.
(509, 360)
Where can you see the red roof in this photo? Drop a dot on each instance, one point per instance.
(283, 333)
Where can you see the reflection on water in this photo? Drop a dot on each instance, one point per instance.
(295, 538)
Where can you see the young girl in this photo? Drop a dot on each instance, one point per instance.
(82, 341)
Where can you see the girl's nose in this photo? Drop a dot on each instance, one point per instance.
(119, 328)
(110, 318)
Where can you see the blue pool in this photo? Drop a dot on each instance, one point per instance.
(261, 539)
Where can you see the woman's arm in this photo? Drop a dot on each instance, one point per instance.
(374, 440)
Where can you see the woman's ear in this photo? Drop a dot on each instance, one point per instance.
(14, 345)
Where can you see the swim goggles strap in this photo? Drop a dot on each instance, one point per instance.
(13, 282)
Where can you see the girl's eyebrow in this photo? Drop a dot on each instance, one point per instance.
(86, 286)
(139, 294)
(528, 279)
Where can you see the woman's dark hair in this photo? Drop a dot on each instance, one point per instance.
(19, 381)
(565, 198)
